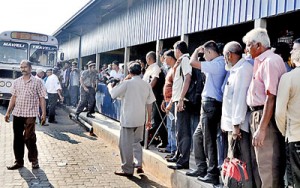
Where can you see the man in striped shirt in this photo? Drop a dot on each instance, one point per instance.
(28, 93)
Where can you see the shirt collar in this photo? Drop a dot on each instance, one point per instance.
(264, 55)
(238, 64)
(152, 65)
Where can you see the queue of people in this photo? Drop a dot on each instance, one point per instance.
(247, 95)
(238, 99)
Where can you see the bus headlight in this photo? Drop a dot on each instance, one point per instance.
(8, 84)
(2, 83)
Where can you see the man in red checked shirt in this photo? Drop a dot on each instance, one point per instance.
(28, 93)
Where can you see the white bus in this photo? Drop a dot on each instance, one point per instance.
(39, 49)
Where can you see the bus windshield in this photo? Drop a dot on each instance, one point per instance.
(42, 54)
(12, 52)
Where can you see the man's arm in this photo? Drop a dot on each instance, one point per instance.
(82, 84)
(282, 104)
(186, 84)
(11, 106)
(43, 107)
(260, 133)
(194, 62)
(153, 82)
(149, 111)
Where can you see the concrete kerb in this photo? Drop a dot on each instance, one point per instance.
(153, 163)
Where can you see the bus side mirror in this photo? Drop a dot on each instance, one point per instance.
(62, 56)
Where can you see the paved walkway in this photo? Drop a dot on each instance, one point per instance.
(68, 157)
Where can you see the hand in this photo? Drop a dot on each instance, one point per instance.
(168, 108)
(62, 98)
(180, 106)
(200, 49)
(258, 138)
(128, 77)
(148, 125)
(86, 89)
(163, 106)
(236, 133)
(43, 120)
(6, 117)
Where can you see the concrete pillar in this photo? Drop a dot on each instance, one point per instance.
(185, 38)
(159, 47)
(80, 64)
(98, 61)
(260, 23)
(126, 59)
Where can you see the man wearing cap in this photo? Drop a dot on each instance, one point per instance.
(40, 74)
(87, 90)
(54, 90)
(74, 84)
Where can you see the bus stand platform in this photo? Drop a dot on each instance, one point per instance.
(154, 162)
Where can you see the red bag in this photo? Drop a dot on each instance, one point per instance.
(234, 171)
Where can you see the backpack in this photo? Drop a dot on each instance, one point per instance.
(234, 171)
(193, 95)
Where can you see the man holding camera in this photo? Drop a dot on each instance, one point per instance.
(136, 96)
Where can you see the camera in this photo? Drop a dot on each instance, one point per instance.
(113, 81)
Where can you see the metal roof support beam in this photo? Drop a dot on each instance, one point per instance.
(126, 59)
(260, 23)
(185, 38)
(159, 47)
(98, 61)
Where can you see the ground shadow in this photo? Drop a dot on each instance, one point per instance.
(144, 181)
(35, 178)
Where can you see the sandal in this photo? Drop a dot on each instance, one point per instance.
(163, 150)
(35, 165)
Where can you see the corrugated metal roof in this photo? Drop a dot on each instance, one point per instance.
(106, 25)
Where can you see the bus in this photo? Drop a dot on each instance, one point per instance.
(39, 49)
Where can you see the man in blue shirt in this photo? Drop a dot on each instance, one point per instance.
(205, 136)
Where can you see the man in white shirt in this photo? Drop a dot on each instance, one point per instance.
(54, 90)
(135, 96)
(156, 78)
(234, 107)
(116, 72)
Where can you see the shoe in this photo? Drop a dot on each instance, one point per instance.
(178, 167)
(77, 117)
(35, 165)
(52, 121)
(15, 166)
(90, 115)
(214, 179)
(121, 173)
(139, 170)
(196, 173)
(172, 160)
(169, 156)
(163, 150)
(161, 145)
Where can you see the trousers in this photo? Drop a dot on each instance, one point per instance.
(24, 134)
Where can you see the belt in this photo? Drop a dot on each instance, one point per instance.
(208, 99)
(256, 108)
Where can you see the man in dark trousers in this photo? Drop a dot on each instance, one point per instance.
(87, 90)
(28, 93)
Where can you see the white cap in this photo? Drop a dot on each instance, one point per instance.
(39, 70)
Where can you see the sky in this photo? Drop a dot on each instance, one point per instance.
(39, 16)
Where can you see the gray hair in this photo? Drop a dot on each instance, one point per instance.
(233, 47)
(258, 35)
(27, 62)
